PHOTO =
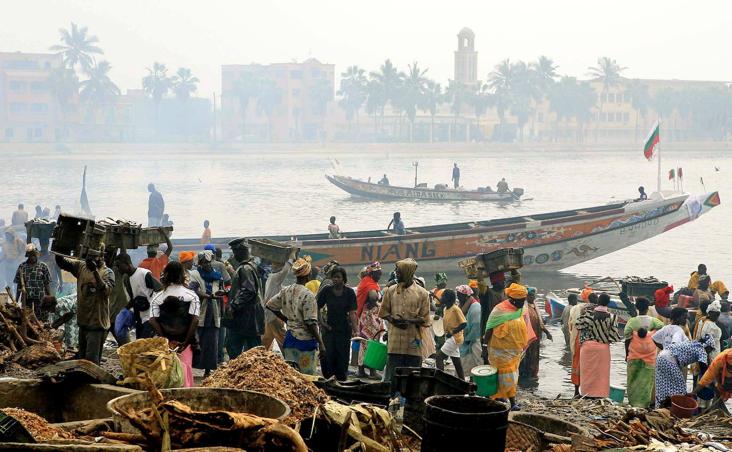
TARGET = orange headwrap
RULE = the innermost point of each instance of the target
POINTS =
(517, 292)
(186, 256)
(302, 266)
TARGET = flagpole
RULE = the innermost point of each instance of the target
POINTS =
(658, 146)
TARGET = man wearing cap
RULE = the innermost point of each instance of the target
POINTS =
(508, 336)
(33, 282)
(156, 259)
(244, 315)
(94, 284)
(296, 306)
(406, 306)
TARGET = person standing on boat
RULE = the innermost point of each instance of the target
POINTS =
(155, 206)
(384, 181)
(455, 176)
(398, 224)
(406, 307)
(642, 196)
(598, 329)
(502, 186)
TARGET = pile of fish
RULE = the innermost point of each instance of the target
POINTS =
(264, 371)
(38, 427)
(639, 428)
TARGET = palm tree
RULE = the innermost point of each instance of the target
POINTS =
(640, 100)
(184, 85)
(458, 94)
(413, 86)
(386, 80)
(501, 81)
(353, 93)
(64, 85)
(268, 99)
(561, 101)
(320, 94)
(545, 72)
(374, 101)
(99, 89)
(608, 72)
(245, 89)
(480, 99)
(431, 99)
(157, 84)
(78, 48)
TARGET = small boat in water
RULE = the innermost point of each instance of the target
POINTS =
(551, 241)
(440, 193)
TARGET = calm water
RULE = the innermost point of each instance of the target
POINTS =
(276, 192)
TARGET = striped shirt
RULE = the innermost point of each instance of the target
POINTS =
(597, 325)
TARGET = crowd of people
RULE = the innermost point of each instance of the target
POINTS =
(212, 309)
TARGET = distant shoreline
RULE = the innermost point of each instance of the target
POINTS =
(75, 149)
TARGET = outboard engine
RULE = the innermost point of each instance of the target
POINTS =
(518, 192)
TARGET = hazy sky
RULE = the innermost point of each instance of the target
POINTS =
(654, 39)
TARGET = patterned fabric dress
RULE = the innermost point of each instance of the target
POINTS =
(369, 325)
(670, 379)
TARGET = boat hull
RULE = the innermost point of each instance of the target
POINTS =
(551, 241)
(376, 191)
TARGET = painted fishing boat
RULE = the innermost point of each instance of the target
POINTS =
(551, 241)
(555, 306)
(378, 191)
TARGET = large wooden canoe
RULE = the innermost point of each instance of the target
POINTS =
(377, 191)
(552, 241)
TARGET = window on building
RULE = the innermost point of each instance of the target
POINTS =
(626, 117)
(38, 132)
(38, 86)
(316, 73)
(29, 134)
(39, 108)
(296, 92)
(296, 74)
(611, 97)
(17, 107)
(603, 117)
(540, 116)
(16, 85)
(619, 98)
(9, 133)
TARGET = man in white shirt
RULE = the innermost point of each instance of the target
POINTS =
(140, 287)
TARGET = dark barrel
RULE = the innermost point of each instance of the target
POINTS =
(467, 422)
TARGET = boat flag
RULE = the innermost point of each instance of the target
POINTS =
(671, 174)
(651, 142)
(680, 173)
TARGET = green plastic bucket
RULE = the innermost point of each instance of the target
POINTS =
(486, 379)
(375, 357)
(617, 394)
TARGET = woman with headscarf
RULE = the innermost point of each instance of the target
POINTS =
(471, 350)
(370, 326)
(208, 285)
(597, 330)
(454, 323)
(670, 365)
(296, 306)
(640, 351)
(529, 367)
(508, 336)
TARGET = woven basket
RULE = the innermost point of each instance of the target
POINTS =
(146, 356)
(524, 437)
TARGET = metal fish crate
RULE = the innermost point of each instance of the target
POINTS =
(502, 260)
(271, 250)
(77, 236)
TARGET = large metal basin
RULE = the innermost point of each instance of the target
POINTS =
(204, 399)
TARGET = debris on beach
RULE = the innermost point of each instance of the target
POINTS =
(37, 426)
